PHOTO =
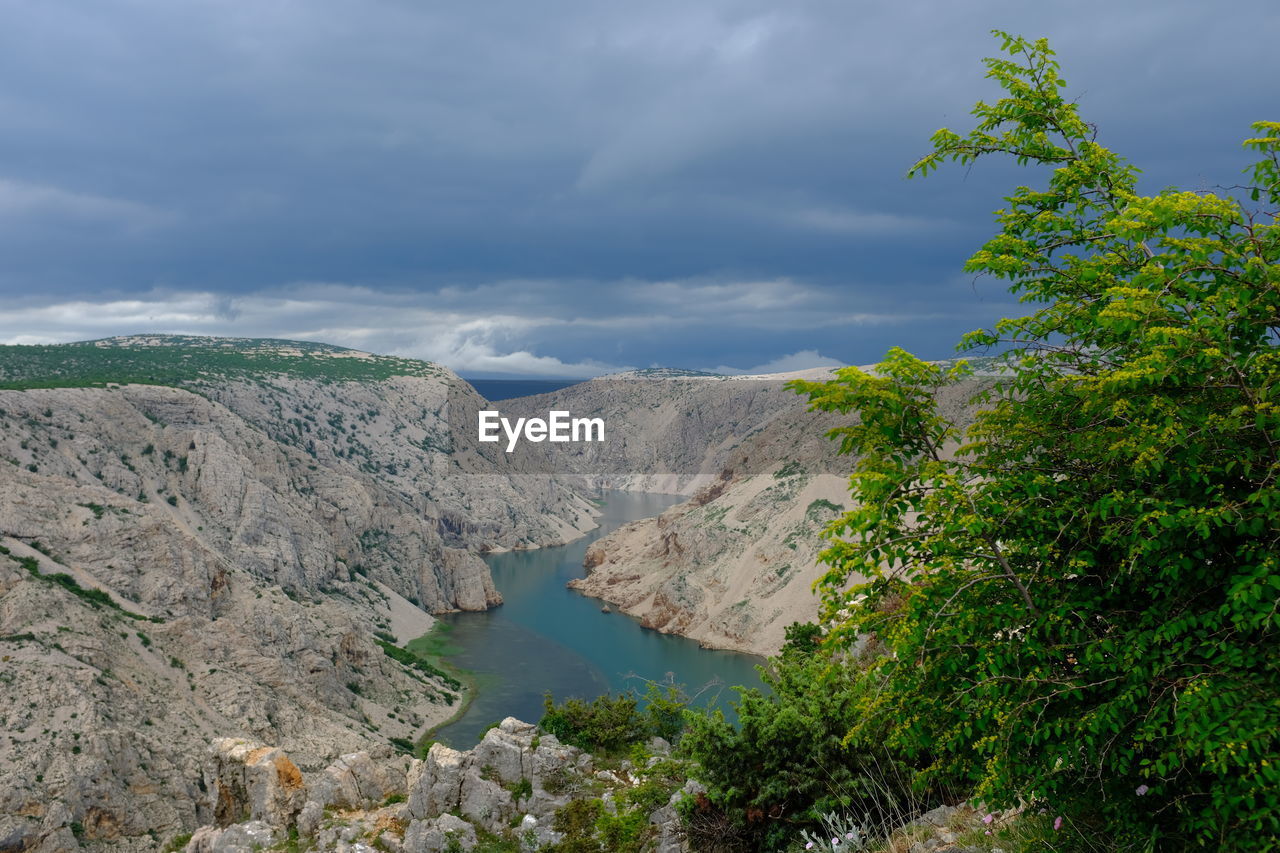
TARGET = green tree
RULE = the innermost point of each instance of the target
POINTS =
(1080, 591)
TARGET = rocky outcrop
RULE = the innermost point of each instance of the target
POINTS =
(477, 784)
(437, 834)
(357, 778)
(731, 572)
(253, 782)
(511, 785)
(240, 838)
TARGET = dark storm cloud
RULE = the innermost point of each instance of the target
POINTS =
(556, 187)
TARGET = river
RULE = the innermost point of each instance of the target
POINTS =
(546, 637)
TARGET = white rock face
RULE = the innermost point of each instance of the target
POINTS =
(505, 751)
(245, 545)
(675, 434)
(357, 778)
(240, 838)
(735, 565)
(309, 819)
(256, 782)
(433, 835)
(732, 572)
(435, 785)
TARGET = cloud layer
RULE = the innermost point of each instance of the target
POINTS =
(559, 186)
(461, 328)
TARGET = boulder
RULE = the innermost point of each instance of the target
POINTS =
(355, 780)
(487, 803)
(435, 785)
(254, 782)
(434, 835)
(477, 783)
(239, 838)
(309, 819)
(505, 748)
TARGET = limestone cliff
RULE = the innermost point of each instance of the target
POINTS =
(736, 564)
(731, 572)
(668, 432)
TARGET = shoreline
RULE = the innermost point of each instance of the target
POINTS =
(616, 607)
(433, 647)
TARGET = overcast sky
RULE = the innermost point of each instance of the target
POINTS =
(559, 188)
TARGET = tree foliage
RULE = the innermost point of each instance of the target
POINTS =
(1080, 591)
(786, 762)
(607, 723)
(611, 723)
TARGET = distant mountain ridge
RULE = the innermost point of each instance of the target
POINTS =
(167, 340)
(189, 361)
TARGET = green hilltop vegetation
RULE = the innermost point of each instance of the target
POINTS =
(185, 360)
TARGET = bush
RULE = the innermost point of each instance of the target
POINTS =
(576, 821)
(177, 843)
(787, 761)
(605, 724)
(666, 711)
(94, 597)
(611, 723)
(522, 790)
(625, 828)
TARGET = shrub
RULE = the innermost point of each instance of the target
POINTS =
(522, 790)
(606, 724)
(612, 723)
(409, 659)
(787, 761)
(576, 821)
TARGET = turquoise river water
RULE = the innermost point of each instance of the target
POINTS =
(546, 637)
